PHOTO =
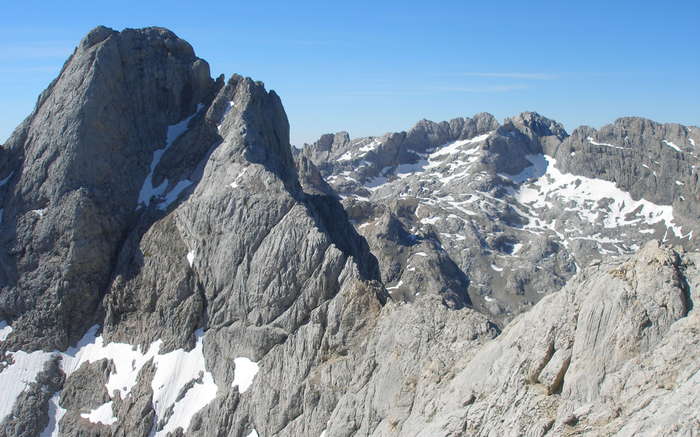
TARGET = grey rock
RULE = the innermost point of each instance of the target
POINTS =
(155, 294)
(615, 377)
(77, 395)
(396, 285)
(505, 208)
(75, 168)
(660, 162)
(135, 413)
(443, 218)
(552, 376)
(368, 158)
(29, 415)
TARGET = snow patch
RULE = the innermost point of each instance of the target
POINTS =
(148, 191)
(588, 197)
(15, 378)
(244, 374)
(455, 147)
(369, 147)
(673, 146)
(190, 257)
(590, 140)
(174, 194)
(235, 183)
(5, 330)
(405, 170)
(516, 248)
(55, 415)
(395, 286)
(174, 371)
(362, 151)
(39, 212)
(430, 220)
(536, 170)
(452, 157)
(102, 414)
(496, 268)
(253, 433)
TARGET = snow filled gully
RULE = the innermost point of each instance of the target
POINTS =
(176, 372)
(148, 190)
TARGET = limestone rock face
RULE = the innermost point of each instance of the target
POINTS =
(217, 234)
(661, 162)
(609, 354)
(72, 172)
(171, 266)
(510, 212)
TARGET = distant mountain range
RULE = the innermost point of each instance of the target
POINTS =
(507, 213)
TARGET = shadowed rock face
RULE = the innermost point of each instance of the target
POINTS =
(212, 281)
(197, 220)
(74, 169)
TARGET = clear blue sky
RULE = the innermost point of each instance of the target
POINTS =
(373, 67)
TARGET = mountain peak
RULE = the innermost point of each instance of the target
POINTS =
(95, 36)
(539, 124)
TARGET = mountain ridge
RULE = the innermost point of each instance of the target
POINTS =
(502, 164)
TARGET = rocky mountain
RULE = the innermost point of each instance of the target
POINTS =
(514, 209)
(172, 266)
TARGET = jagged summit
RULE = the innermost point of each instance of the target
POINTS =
(95, 127)
(141, 123)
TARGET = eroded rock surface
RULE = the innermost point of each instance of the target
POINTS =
(508, 213)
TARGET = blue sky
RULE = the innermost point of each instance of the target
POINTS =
(374, 67)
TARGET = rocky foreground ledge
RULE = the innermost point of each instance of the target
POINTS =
(613, 353)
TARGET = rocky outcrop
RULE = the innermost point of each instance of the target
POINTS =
(369, 158)
(609, 354)
(31, 412)
(224, 239)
